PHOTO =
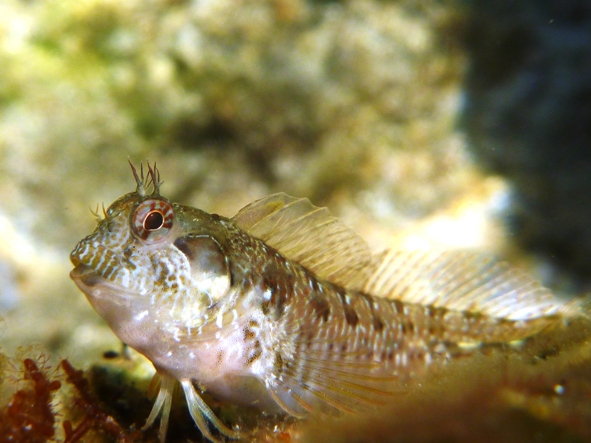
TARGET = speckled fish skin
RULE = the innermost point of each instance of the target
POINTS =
(282, 305)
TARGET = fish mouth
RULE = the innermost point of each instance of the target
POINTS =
(96, 287)
(94, 264)
(86, 275)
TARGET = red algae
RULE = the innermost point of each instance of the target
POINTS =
(39, 404)
(29, 415)
(95, 417)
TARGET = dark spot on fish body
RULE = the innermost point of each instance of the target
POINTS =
(378, 324)
(351, 316)
(398, 306)
(248, 334)
(277, 284)
(278, 295)
(435, 330)
(249, 330)
(320, 306)
(163, 275)
(408, 327)
(256, 352)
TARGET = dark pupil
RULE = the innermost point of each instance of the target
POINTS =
(153, 221)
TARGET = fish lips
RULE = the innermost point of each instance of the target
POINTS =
(85, 276)
(96, 287)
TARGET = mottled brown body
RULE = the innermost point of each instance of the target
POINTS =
(284, 307)
(371, 344)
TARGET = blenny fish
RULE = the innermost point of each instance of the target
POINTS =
(285, 307)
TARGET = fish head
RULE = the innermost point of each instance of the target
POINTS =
(150, 258)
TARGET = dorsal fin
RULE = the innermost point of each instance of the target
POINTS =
(459, 280)
(306, 234)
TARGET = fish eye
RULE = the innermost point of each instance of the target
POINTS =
(152, 219)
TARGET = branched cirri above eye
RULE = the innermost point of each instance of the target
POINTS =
(152, 219)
